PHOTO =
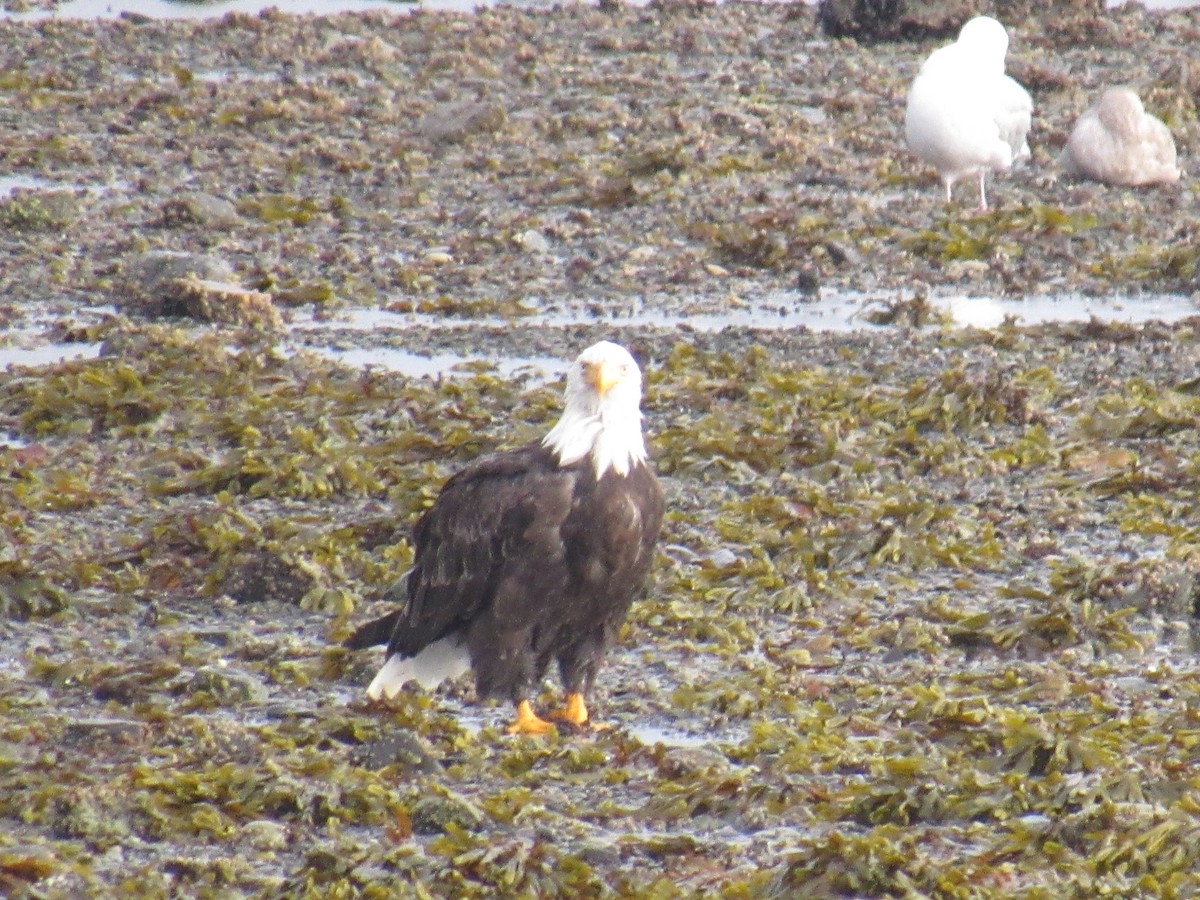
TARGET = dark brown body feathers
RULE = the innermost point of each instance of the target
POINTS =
(531, 563)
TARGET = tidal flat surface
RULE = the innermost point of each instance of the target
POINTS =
(922, 620)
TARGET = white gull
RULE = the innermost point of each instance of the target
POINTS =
(964, 115)
(1118, 142)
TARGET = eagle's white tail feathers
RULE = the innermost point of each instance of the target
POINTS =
(440, 661)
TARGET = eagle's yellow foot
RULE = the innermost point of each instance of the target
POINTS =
(528, 721)
(575, 711)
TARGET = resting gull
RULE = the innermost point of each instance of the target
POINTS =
(1118, 142)
(964, 115)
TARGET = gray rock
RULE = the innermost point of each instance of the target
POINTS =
(398, 748)
(263, 834)
(106, 729)
(197, 208)
(459, 121)
(433, 813)
(532, 241)
(151, 270)
(226, 685)
(148, 282)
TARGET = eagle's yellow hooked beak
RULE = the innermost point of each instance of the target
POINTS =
(601, 376)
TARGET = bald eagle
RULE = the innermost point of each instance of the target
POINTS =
(533, 555)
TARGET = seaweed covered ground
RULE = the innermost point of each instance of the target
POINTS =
(922, 621)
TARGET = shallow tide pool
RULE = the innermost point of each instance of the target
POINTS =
(395, 346)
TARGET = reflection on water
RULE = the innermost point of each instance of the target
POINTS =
(833, 311)
(836, 312)
(434, 365)
(46, 354)
(842, 312)
(668, 737)
(985, 312)
(10, 184)
(397, 342)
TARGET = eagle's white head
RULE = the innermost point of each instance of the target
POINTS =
(603, 418)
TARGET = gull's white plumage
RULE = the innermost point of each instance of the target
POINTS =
(964, 116)
(1116, 141)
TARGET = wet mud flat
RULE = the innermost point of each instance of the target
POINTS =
(520, 164)
(922, 618)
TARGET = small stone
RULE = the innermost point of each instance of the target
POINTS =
(678, 762)
(197, 208)
(598, 854)
(532, 241)
(721, 558)
(456, 123)
(263, 834)
(226, 685)
(194, 285)
(432, 814)
(219, 301)
(150, 270)
(398, 748)
(263, 575)
(105, 729)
